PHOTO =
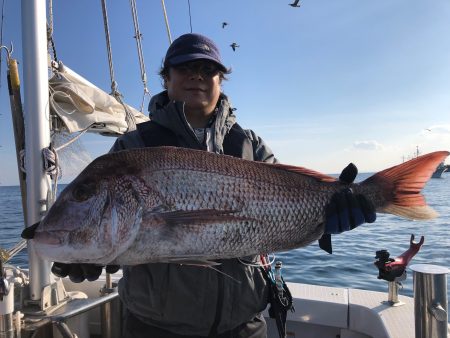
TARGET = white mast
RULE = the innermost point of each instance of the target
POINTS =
(37, 128)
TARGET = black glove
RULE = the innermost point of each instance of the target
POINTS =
(347, 210)
(79, 272)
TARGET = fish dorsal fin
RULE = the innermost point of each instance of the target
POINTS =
(305, 171)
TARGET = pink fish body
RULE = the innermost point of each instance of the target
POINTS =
(170, 204)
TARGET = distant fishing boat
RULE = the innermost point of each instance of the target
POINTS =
(439, 170)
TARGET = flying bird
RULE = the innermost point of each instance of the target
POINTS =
(296, 3)
(224, 24)
(234, 45)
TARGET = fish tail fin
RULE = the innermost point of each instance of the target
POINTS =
(401, 186)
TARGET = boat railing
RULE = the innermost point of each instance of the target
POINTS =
(76, 306)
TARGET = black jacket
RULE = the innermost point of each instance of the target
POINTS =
(186, 299)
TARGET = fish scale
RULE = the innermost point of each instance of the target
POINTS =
(169, 204)
(224, 192)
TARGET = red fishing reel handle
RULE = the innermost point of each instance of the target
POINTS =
(403, 260)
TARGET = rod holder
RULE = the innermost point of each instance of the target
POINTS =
(430, 300)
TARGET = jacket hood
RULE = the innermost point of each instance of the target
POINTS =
(170, 114)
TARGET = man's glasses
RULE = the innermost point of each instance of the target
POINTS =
(208, 69)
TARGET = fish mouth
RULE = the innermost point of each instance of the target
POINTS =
(50, 237)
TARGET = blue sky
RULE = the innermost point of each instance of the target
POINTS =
(326, 84)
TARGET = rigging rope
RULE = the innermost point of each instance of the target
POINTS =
(1, 39)
(138, 37)
(52, 165)
(50, 42)
(50, 18)
(129, 117)
(190, 17)
(167, 21)
(108, 47)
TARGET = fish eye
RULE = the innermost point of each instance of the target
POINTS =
(84, 192)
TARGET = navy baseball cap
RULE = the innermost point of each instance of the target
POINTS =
(190, 47)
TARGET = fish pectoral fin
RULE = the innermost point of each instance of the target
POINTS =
(199, 217)
(28, 232)
(325, 243)
(192, 261)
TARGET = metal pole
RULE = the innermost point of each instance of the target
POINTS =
(393, 292)
(18, 124)
(110, 312)
(6, 312)
(6, 326)
(430, 300)
(37, 128)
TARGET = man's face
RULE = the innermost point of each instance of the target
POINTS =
(197, 83)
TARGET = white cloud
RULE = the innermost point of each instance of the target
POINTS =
(367, 145)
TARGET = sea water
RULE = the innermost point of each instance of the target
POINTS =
(350, 265)
(352, 262)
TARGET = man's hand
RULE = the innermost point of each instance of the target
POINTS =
(347, 210)
(79, 272)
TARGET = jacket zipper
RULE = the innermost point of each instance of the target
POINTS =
(219, 306)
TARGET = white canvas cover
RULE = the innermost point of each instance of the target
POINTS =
(80, 105)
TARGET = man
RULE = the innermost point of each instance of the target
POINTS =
(171, 300)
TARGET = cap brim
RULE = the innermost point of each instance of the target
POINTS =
(178, 60)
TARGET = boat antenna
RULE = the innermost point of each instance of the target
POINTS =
(167, 21)
(138, 37)
(129, 117)
(190, 17)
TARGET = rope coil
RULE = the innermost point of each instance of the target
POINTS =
(51, 163)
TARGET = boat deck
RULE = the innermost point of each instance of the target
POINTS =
(322, 311)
